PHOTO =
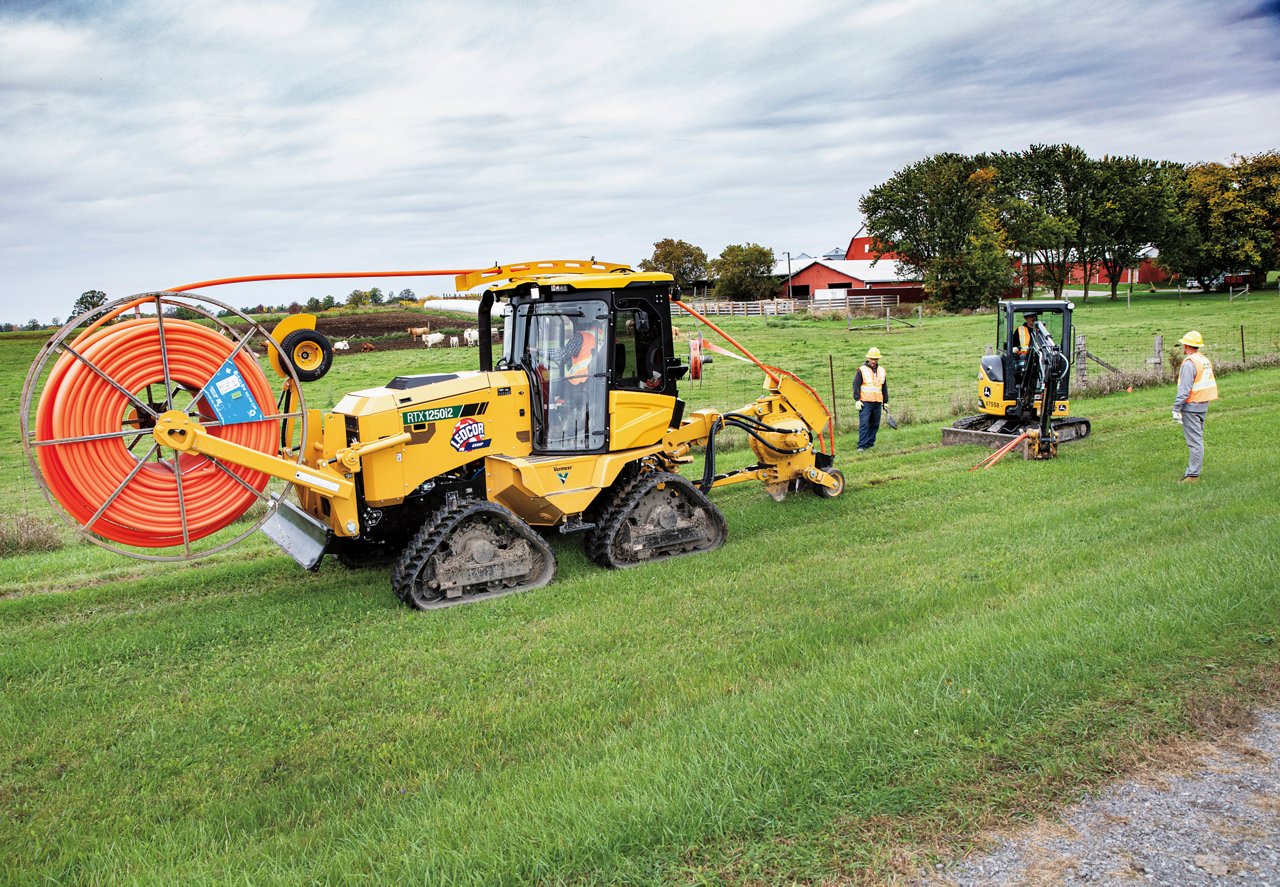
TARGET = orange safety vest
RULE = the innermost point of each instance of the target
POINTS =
(872, 388)
(581, 365)
(1024, 340)
(1205, 387)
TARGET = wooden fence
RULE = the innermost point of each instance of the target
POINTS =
(860, 301)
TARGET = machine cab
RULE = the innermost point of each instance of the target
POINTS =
(599, 356)
(1008, 364)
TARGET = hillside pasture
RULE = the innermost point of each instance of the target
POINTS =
(844, 689)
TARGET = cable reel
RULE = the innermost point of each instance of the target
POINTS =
(102, 382)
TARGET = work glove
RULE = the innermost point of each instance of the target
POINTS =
(1177, 416)
(859, 406)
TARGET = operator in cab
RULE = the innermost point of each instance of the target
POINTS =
(580, 358)
(1022, 340)
(871, 391)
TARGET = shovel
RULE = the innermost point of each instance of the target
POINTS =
(888, 418)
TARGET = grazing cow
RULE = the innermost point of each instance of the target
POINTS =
(433, 340)
(344, 345)
(471, 337)
(367, 346)
(418, 332)
(675, 332)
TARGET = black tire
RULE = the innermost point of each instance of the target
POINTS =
(309, 352)
(830, 492)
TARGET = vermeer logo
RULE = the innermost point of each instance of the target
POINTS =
(435, 414)
(563, 475)
(468, 435)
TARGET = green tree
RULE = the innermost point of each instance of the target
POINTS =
(328, 302)
(406, 295)
(89, 300)
(358, 298)
(938, 216)
(1226, 219)
(744, 273)
(1047, 197)
(1134, 207)
(32, 325)
(375, 296)
(683, 261)
(313, 305)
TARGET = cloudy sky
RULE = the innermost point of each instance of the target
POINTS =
(149, 143)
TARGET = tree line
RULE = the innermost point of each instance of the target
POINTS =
(743, 271)
(966, 223)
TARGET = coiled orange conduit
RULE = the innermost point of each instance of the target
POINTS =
(77, 402)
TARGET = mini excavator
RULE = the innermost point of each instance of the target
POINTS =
(1013, 381)
(452, 479)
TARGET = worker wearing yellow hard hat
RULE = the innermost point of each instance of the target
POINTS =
(871, 392)
(1196, 387)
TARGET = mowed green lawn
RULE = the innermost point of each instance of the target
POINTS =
(843, 678)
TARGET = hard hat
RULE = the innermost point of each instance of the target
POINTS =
(1030, 315)
(873, 353)
(1192, 338)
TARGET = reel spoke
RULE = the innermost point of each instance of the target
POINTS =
(164, 364)
(88, 525)
(182, 504)
(110, 381)
(85, 438)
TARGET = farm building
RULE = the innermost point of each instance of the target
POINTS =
(854, 268)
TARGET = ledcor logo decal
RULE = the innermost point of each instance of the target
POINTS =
(468, 435)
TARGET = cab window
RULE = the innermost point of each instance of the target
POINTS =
(564, 347)
(639, 358)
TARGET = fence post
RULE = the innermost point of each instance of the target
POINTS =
(990, 351)
(1158, 363)
(1243, 359)
(1082, 370)
(835, 410)
(886, 320)
(920, 314)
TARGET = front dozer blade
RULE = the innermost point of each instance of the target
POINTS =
(994, 432)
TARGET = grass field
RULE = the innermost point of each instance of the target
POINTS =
(843, 682)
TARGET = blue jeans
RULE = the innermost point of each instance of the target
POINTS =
(868, 425)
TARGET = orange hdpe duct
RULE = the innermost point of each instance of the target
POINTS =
(77, 402)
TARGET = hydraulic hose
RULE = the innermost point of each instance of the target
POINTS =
(78, 402)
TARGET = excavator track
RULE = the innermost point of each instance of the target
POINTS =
(995, 431)
(471, 551)
(656, 516)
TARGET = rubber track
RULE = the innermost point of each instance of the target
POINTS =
(976, 423)
(598, 541)
(436, 531)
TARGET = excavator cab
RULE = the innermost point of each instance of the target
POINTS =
(1024, 387)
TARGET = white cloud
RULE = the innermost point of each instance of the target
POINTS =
(147, 143)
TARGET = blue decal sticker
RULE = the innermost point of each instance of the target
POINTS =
(229, 397)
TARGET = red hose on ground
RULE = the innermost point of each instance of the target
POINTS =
(77, 402)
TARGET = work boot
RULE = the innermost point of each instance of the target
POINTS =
(1190, 479)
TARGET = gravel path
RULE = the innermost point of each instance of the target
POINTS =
(1215, 822)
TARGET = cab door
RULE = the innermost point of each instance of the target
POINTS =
(565, 349)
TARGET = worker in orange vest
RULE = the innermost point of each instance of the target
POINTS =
(871, 391)
(1196, 387)
(1022, 341)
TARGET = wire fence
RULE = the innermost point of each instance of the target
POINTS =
(939, 390)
